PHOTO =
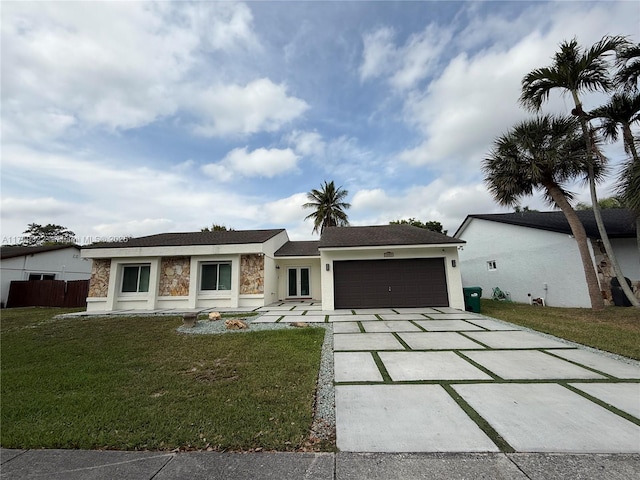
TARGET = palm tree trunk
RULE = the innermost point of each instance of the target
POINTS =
(627, 135)
(596, 208)
(595, 295)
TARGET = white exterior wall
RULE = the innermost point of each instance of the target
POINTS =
(526, 260)
(65, 264)
(315, 281)
(116, 300)
(448, 252)
(626, 251)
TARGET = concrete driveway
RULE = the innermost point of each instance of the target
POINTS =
(443, 380)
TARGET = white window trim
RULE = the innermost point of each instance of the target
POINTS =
(121, 279)
(41, 275)
(298, 268)
(214, 293)
(492, 265)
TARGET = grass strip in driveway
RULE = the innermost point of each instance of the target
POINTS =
(485, 426)
(614, 329)
(135, 383)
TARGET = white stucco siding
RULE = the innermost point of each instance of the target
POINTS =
(526, 259)
(270, 280)
(449, 253)
(65, 264)
(315, 281)
(626, 251)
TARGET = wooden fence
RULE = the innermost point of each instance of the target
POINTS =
(48, 293)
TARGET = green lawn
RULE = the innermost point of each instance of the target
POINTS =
(616, 329)
(135, 383)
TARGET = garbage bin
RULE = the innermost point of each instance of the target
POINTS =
(617, 294)
(472, 298)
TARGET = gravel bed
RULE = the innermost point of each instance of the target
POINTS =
(324, 419)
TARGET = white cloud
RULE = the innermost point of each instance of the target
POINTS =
(474, 98)
(307, 143)
(420, 55)
(405, 65)
(219, 172)
(261, 105)
(261, 162)
(378, 54)
(286, 210)
(223, 26)
(125, 65)
(108, 197)
(441, 200)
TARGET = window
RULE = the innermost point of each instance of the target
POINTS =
(135, 278)
(491, 265)
(215, 276)
(42, 276)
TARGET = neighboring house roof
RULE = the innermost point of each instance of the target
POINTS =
(382, 235)
(299, 249)
(12, 251)
(619, 222)
(230, 237)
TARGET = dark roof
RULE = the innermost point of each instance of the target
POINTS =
(299, 249)
(11, 251)
(381, 235)
(619, 222)
(230, 237)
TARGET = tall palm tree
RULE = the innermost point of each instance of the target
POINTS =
(628, 62)
(543, 154)
(329, 207)
(575, 70)
(621, 112)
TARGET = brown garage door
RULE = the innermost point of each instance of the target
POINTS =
(416, 282)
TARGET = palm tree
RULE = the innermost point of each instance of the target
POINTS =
(623, 110)
(628, 62)
(329, 207)
(543, 154)
(575, 70)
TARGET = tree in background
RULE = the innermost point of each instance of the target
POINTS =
(521, 209)
(432, 225)
(606, 203)
(628, 63)
(544, 154)
(50, 234)
(575, 70)
(216, 228)
(329, 207)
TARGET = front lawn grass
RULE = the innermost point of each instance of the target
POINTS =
(615, 329)
(135, 383)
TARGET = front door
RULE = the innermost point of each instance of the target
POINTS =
(298, 282)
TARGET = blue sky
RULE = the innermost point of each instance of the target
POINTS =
(123, 118)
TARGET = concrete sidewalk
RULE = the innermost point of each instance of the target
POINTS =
(108, 465)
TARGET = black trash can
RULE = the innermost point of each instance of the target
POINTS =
(617, 294)
(472, 299)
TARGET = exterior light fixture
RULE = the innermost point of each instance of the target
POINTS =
(453, 263)
(327, 267)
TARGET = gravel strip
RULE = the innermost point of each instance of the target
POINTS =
(324, 418)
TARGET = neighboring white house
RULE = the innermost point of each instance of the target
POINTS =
(51, 262)
(349, 267)
(534, 255)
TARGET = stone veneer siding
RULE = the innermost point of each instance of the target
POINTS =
(174, 277)
(99, 283)
(251, 274)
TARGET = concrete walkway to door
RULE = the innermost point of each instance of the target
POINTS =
(444, 380)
